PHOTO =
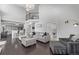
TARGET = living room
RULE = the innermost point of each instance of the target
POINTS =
(39, 29)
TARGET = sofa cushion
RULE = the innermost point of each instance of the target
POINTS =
(64, 40)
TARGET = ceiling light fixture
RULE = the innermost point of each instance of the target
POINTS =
(29, 7)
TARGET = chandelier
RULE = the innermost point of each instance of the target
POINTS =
(29, 7)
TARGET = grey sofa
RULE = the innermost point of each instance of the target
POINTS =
(64, 40)
(57, 48)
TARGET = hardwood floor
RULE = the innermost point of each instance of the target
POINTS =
(14, 47)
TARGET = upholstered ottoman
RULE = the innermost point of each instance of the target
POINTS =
(28, 41)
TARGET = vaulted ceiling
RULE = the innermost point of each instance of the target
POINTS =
(14, 12)
(53, 12)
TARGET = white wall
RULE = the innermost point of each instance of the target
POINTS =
(64, 30)
(0, 28)
(12, 12)
(58, 14)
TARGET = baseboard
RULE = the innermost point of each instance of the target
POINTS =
(28, 46)
(42, 42)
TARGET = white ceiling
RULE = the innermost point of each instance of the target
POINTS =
(47, 11)
(50, 12)
(15, 12)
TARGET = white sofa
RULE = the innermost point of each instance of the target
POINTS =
(21, 36)
(28, 41)
(44, 39)
(2, 45)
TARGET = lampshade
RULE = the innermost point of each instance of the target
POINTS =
(75, 25)
(29, 7)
